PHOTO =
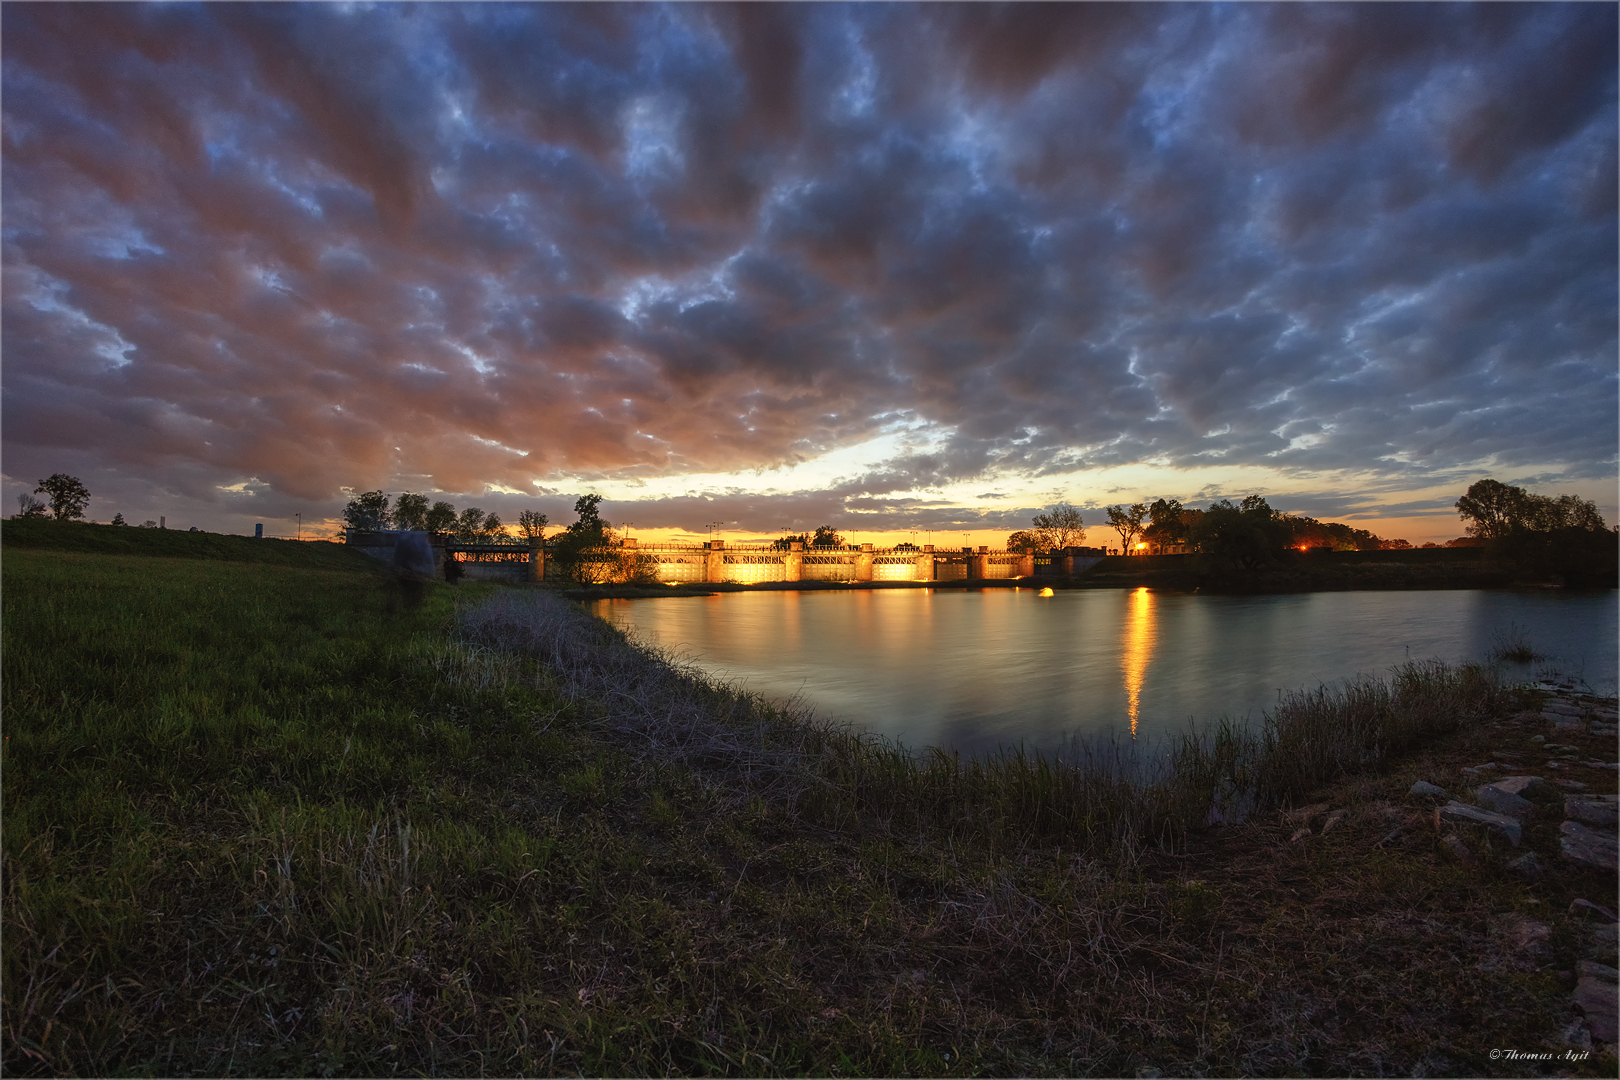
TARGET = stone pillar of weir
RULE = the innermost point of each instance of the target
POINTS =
(1066, 559)
(793, 561)
(863, 563)
(925, 564)
(978, 563)
(1026, 564)
(714, 561)
(537, 560)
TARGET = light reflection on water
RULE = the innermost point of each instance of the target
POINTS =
(974, 669)
(1140, 633)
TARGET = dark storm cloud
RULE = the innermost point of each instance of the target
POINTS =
(454, 246)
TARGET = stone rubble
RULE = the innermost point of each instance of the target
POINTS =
(1527, 866)
(1590, 849)
(1603, 941)
(1505, 806)
(1579, 907)
(1498, 800)
(1598, 810)
(1576, 1036)
(1524, 786)
(1587, 840)
(1459, 850)
(1593, 969)
(1501, 824)
(1598, 999)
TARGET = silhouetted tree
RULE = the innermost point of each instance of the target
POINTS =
(533, 524)
(584, 550)
(1127, 521)
(826, 536)
(1023, 540)
(1247, 536)
(589, 521)
(1491, 509)
(1167, 523)
(1561, 538)
(440, 519)
(1306, 532)
(589, 553)
(410, 511)
(469, 525)
(1059, 527)
(68, 497)
(367, 512)
(30, 507)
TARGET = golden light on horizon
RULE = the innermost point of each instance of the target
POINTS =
(1140, 636)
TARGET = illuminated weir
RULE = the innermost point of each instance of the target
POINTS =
(718, 561)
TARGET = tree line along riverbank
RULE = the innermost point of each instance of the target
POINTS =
(1411, 569)
(1290, 571)
(301, 818)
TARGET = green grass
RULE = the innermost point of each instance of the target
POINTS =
(298, 820)
(44, 534)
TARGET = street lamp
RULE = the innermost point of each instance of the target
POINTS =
(300, 518)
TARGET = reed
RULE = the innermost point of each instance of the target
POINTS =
(1512, 645)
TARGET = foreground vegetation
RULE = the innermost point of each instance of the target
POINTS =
(299, 820)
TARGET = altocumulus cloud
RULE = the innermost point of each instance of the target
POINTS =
(291, 248)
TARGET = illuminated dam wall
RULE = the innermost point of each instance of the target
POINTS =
(717, 561)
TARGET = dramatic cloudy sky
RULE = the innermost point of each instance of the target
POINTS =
(892, 267)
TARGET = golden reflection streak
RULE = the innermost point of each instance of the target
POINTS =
(1140, 636)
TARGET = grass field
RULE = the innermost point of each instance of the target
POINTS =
(44, 534)
(304, 819)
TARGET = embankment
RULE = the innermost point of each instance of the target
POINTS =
(43, 534)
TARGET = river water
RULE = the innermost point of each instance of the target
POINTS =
(977, 669)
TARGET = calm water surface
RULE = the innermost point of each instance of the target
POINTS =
(976, 669)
